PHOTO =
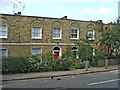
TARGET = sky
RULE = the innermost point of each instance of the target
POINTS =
(86, 10)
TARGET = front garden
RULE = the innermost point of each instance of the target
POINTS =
(46, 63)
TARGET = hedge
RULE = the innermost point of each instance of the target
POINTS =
(17, 64)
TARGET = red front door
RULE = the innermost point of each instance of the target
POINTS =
(56, 55)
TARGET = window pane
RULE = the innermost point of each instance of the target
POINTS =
(56, 32)
(36, 51)
(3, 31)
(4, 27)
(36, 32)
(74, 31)
(90, 34)
(3, 52)
(74, 35)
(54, 35)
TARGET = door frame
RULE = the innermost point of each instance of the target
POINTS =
(60, 51)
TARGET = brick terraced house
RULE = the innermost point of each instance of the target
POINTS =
(28, 35)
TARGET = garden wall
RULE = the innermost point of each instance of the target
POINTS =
(110, 62)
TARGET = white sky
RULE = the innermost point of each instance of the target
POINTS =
(106, 10)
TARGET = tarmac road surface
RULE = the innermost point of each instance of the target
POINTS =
(92, 80)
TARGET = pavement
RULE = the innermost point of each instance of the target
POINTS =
(35, 75)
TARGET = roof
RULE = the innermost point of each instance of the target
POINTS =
(45, 17)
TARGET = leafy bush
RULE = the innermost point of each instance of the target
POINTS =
(61, 64)
(78, 65)
(46, 68)
(15, 64)
(99, 55)
(94, 63)
(35, 63)
(85, 52)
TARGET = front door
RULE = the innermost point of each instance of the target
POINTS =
(56, 55)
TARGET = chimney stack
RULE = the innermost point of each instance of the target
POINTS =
(100, 21)
(65, 17)
(19, 13)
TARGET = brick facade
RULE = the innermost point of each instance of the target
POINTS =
(19, 40)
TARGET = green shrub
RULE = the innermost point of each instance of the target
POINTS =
(94, 63)
(35, 63)
(99, 55)
(61, 64)
(78, 65)
(46, 68)
(15, 64)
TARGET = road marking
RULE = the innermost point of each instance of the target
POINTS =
(115, 71)
(103, 82)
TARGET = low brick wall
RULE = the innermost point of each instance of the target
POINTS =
(114, 61)
(101, 63)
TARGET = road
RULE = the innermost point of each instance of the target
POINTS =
(92, 80)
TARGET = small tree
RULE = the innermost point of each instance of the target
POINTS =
(85, 51)
(68, 53)
(111, 38)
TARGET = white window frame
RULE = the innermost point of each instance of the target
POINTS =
(93, 33)
(40, 33)
(2, 30)
(37, 48)
(60, 34)
(6, 52)
(93, 51)
(77, 34)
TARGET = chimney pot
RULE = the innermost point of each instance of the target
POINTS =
(65, 17)
(19, 13)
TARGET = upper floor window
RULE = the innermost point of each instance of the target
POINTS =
(3, 31)
(36, 51)
(74, 33)
(57, 33)
(3, 52)
(36, 33)
(91, 35)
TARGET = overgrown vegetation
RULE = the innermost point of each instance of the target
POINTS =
(17, 64)
(34, 63)
(80, 65)
(111, 38)
(99, 55)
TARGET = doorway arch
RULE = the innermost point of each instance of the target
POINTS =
(57, 51)
(75, 50)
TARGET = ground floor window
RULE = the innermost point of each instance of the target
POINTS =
(3, 52)
(93, 51)
(36, 51)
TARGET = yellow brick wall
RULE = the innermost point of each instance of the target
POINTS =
(20, 27)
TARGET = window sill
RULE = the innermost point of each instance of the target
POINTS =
(74, 38)
(3, 37)
(57, 38)
(92, 40)
(37, 38)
